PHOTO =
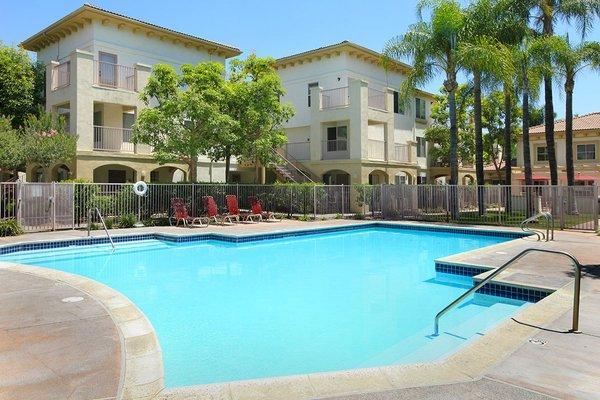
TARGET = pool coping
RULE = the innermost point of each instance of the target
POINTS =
(143, 374)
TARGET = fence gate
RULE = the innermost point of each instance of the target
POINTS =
(45, 206)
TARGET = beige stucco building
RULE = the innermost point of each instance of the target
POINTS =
(349, 125)
(586, 142)
(97, 62)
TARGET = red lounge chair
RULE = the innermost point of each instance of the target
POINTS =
(257, 210)
(234, 210)
(181, 214)
(212, 211)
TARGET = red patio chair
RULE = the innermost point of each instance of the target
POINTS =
(267, 216)
(212, 211)
(181, 214)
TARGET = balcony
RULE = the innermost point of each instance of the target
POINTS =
(335, 98)
(335, 149)
(377, 99)
(401, 153)
(114, 76)
(108, 138)
(61, 75)
(376, 149)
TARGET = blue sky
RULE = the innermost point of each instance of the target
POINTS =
(275, 28)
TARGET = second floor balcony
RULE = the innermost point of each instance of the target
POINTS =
(114, 76)
(107, 138)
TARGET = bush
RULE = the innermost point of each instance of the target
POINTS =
(339, 216)
(10, 227)
(109, 222)
(359, 215)
(94, 226)
(127, 221)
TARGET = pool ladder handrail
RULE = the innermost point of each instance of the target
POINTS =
(576, 295)
(89, 226)
(549, 226)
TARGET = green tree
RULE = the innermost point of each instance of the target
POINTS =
(567, 60)
(17, 81)
(253, 94)
(12, 151)
(188, 116)
(46, 141)
(546, 13)
(438, 134)
(433, 46)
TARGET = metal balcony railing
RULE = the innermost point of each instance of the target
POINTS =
(376, 149)
(401, 153)
(335, 98)
(114, 76)
(61, 75)
(108, 138)
(377, 99)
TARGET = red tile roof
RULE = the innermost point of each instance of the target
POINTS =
(580, 123)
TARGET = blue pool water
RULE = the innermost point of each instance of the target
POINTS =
(331, 301)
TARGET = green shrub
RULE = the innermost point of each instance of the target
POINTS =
(109, 222)
(10, 227)
(304, 218)
(127, 221)
(339, 216)
(94, 226)
(149, 222)
(359, 215)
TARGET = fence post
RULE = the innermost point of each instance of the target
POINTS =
(194, 213)
(53, 206)
(315, 201)
(343, 201)
(18, 204)
(73, 208)
(595, 207)
(447, 202)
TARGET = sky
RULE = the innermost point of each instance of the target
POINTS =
(274, 28)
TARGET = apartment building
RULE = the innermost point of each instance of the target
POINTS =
(586, 142)
(349, 125)
(97, 63)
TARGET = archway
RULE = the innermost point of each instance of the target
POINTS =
(403, 178)
(37, 174)
(468, 180)
(167, 174)
(114, 173)
(61, 173)
(336, 177)
(378, 177)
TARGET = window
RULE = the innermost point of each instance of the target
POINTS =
(420, 112)
(154, 176)
(421, 180)
(542, 154)
(421, 147)
(398, 106)
(310, 86)
(586, 151)
(337, 137)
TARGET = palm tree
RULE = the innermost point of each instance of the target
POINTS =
(433, 46)
(483, 54)
(546, 13)
(568, 60)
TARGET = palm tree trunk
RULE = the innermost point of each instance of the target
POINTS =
(548, 30)
(453, 195)
(569, 84)
(478, 141)
(507, 149)
(527, 150)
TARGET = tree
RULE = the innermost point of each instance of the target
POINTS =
(188, 116)
(45, 140)
(567, 60)
(16, 84)
(253, 94)
(12, 151)
(546, 13)
(433, 46)
(438, 134)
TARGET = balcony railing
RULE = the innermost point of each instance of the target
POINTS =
(107, 138)
(61, 75)
(401, 153)
(375, 149)
(114, 76)
(377, 99)
(335, 98)
(335, 149)
(297, 150)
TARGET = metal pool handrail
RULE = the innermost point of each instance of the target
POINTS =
(549, 226)
(576, 295)
(89, 227)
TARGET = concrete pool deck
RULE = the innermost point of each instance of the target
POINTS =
(503, 359)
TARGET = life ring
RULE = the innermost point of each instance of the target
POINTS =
(140, 188)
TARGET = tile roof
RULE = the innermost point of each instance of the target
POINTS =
(580, 123)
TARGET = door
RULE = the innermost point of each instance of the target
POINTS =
(98, 137)
(107, 69)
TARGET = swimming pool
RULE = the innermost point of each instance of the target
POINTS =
(321, 302)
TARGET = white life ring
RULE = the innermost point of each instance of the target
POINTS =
(140, 188)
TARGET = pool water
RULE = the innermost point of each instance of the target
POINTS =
(330, 301)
